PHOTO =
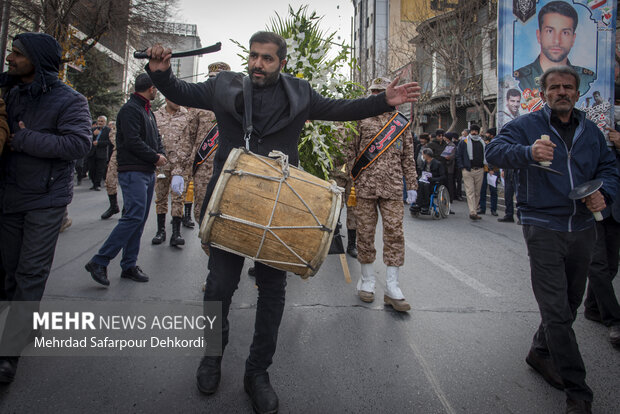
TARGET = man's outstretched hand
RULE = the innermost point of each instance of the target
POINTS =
(398, 95)
(159, 57)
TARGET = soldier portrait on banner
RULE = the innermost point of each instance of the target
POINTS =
(536, 35)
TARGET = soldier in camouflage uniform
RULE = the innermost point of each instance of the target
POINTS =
(205, 120)
(177, 134)
(341, 175)
(557, 26)
(111, 176)
(381, 185)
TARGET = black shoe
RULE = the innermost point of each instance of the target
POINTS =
(352, 243)
(506, 219)
(592, 315)
(544, 366)
(475, 217)
(208, 374)
(451, 212)
(98, 273)
(481, 213)
(176, 239)
(187, 217)
(97, 188)
(135, 273)
(425, 212)
(578, 406)
(8, 368)
(252, 271)
(614, 335)
(494, 213)
(160, 236)
(113, 209)
(264, 398)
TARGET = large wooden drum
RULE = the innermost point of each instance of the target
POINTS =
(268, 211)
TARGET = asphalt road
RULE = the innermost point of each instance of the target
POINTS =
(461, 349)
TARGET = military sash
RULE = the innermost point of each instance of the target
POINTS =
(207, 147)
(380, 143)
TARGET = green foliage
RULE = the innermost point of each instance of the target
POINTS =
(310, 56)
(96, 82)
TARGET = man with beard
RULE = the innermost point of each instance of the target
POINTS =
(557, 25)
(280, 105)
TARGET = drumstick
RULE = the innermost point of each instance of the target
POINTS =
(345, 268)
(545, 163)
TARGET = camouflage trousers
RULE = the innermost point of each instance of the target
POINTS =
(111, 176)
(201, 180)
(162, 189)
(393, 236)
(347, 184)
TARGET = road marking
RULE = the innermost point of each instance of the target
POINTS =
(453, 271)
(429, 374)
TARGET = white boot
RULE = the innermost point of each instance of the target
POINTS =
(366, 283)
(393, 295)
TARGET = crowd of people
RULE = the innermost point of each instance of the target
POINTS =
(179, 152)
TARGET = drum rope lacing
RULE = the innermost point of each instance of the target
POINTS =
(282, 160)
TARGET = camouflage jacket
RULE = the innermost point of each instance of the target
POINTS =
(178, 134)
(384, 177)
(203, 122)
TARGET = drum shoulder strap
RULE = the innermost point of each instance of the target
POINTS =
(247, 113)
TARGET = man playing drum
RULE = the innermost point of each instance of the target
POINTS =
(280, 105)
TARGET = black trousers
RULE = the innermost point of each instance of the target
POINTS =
(27, 244)
(96, 170)
(450, 186)
(559, 263)
(458, 183)
(603, 268)
(424, 194)
(222, 281)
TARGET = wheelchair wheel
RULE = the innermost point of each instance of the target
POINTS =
(442, 201)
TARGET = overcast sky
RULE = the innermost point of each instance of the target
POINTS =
(219, 21)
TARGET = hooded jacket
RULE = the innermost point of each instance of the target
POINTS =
(38, 172)
(542, 198)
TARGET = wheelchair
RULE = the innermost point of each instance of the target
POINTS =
(439, 206)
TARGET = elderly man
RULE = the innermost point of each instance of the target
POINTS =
(559, 232)
(50, 128)
(280, 105)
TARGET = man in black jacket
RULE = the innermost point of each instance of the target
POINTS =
(281, 104)
(99, 152)
(50, 128)
(138, 152)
